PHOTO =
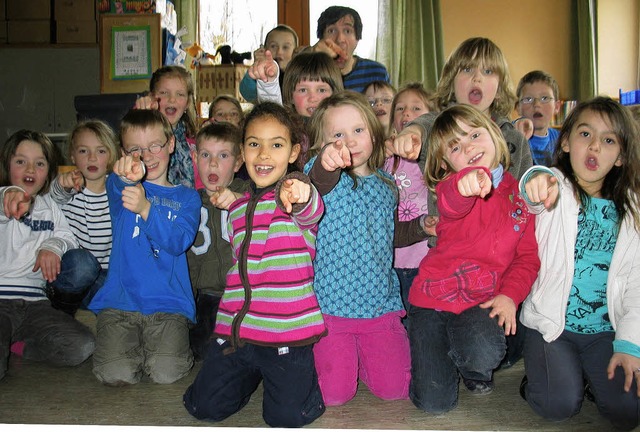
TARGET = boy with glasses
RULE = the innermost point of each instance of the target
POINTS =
(146, 303)
(537, 105)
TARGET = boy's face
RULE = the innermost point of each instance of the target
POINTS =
(281, 44)
(217, 163)
(267, 151)
(144, 141)
(380, 100)
(28, 167)
(541, 114)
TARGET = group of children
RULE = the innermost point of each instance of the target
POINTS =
(359, 209)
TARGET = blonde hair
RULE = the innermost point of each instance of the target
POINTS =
(360, 103)
(446, 132)
(189, 117)
(425, 96)
(103, 133)
(475, 52)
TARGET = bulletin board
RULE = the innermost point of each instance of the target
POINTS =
(130, 51)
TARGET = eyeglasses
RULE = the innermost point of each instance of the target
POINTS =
(529, 100)
(153, 149)
(383, 101)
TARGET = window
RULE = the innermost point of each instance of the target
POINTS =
(368, 11)
(242, 24)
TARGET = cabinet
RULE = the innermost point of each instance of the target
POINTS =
(38, 86)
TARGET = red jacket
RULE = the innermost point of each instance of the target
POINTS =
(485, 247)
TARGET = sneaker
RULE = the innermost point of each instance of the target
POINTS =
(523, 385)
(478, 387)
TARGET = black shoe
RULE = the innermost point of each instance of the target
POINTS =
(523, 385)
(478, 387)
(66, 302)
(588, 394)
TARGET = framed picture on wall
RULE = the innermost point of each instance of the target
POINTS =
(130, 51)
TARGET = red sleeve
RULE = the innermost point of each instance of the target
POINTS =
(450, 203)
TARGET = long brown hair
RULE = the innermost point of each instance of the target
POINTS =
(8, 150)
(622, 183)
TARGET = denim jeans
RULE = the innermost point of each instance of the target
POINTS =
(445, 345)
(227, 380)
(81, 276)
(406, 277)
(556, 372)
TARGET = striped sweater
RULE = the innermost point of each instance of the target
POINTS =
(269, 298)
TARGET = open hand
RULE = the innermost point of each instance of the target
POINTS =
(49, 263)
(631, 366)
(505, 309)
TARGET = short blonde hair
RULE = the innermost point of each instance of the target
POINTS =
(103, 132)
(446, 131)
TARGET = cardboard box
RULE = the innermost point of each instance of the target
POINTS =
(74, 10)
(76, 32)
(126, 6)
(28, 10)
(29, 31)
(217, 80)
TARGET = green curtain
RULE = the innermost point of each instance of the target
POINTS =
(409, 30)
(187, 11)
(586, 68)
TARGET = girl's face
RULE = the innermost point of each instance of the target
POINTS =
(173, 98)
(380, 100)
(409, 106)
(347, 124)
(216, 163)
(28, 167)
(281, 44)
(144, 142)
(225, 111)
(475, 148)
(267, 151)
(307, 95)
(476, 86)
(594, 149)
(90, 156)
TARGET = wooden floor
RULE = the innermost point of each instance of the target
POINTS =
(34, 393)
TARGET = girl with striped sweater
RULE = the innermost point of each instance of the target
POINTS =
(269, 317)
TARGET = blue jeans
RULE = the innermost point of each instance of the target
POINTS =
(445, 345)
(556, 372)
(81, 276)
(406, 277)
(227, 380)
